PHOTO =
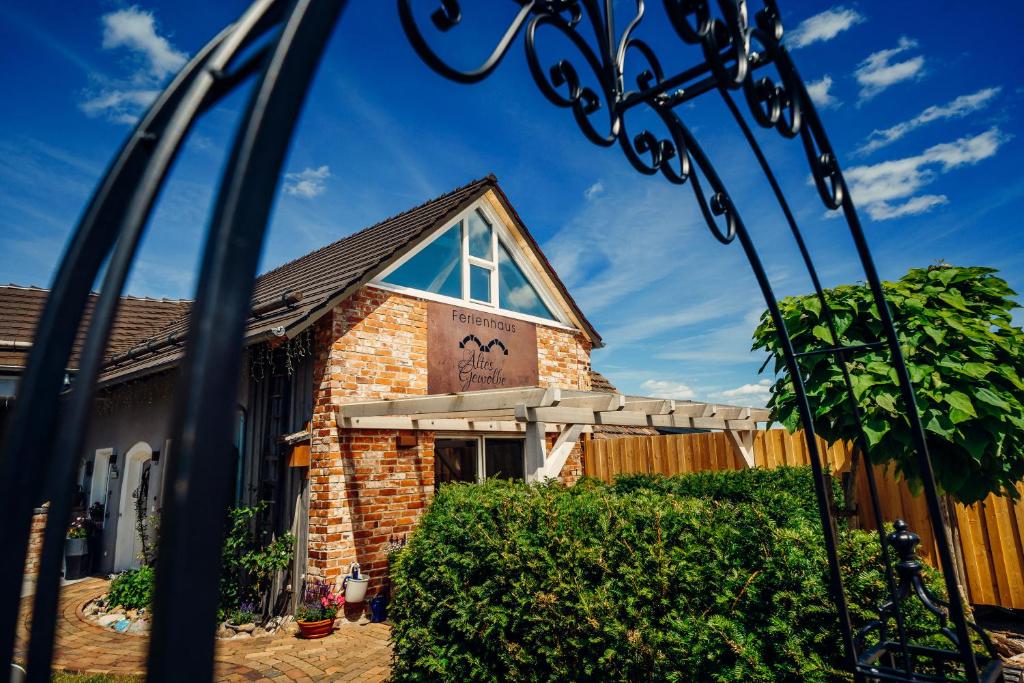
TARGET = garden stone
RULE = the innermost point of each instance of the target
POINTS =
(246, 628)
(140, 626)
(241, 635)
(108, 619)
(259, 631)
(224, 632)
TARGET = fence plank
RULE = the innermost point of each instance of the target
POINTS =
(991, 534)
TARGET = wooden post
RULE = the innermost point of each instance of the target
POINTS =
(534, 451)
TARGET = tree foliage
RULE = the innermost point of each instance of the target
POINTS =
(965, 358)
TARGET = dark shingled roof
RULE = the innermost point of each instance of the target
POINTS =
(137, 318)
(599, 382)
(327, 275)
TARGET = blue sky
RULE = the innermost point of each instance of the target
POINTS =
(921, 100)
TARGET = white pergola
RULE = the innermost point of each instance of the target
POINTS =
(536, 411)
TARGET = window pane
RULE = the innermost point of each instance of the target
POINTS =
(436, 268)
(479, 237)
(504, 459)
(514, 291)
(454, 460)
(479, 283)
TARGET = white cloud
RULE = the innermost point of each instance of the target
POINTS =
(887, 189)
(878, 72)
(747, 393)
(662, 388)
(135, 29)
(820, 92)
(307, 183)
(958, 108)
(823, 27)
(123, 100)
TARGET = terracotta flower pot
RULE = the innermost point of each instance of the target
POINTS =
(311, 630)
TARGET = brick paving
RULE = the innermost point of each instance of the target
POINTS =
(353, 652)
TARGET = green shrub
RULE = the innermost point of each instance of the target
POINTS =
(132, 589)
(634, 581)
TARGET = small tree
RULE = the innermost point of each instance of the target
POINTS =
(965, 358)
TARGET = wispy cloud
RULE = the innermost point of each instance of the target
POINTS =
(153, 59)
(661, 388)
(958, 108)
(821, 93)
(307, 183)
(119, 106)
(823, 27)
(595, 190)
(879, 72)
(889, 189)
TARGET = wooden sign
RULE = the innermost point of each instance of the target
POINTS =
(470, 350)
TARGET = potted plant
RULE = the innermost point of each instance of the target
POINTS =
(75, 547)
(315, 614)
(77, 533)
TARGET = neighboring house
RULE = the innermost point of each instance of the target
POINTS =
(451, 296)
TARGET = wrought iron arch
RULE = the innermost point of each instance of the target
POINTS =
(280, 43)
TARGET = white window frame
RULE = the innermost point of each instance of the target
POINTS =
(481, 444)
(498, 231)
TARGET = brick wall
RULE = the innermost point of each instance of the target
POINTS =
(364, 491)
(35, 541)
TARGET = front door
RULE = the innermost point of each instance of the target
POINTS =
(128, 551)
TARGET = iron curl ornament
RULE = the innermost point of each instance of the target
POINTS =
(736, 46)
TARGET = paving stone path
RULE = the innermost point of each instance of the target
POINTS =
(353, 652)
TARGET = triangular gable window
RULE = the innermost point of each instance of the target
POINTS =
(436, 268)
(472, 261)
(515, 292)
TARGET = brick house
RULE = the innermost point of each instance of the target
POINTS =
(437, 345)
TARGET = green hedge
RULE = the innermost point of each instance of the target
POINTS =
(784, 491)
(509, 582)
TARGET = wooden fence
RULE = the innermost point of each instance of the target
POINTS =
(990, 532)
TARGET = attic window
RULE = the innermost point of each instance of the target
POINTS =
(437, 268)
(472, 261)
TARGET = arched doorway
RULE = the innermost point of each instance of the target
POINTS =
(129, 546)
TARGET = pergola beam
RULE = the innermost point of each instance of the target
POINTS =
(469, 401)
(435, 424)
(511, 410)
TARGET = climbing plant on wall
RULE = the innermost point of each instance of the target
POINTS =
(965, 358)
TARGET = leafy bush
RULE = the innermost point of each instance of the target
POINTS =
(634, 581)
(132, 589)
(250, 560)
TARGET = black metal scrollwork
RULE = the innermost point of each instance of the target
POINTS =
(734, 50)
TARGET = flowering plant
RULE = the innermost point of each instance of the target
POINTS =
(319, 602)
(78, 528)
